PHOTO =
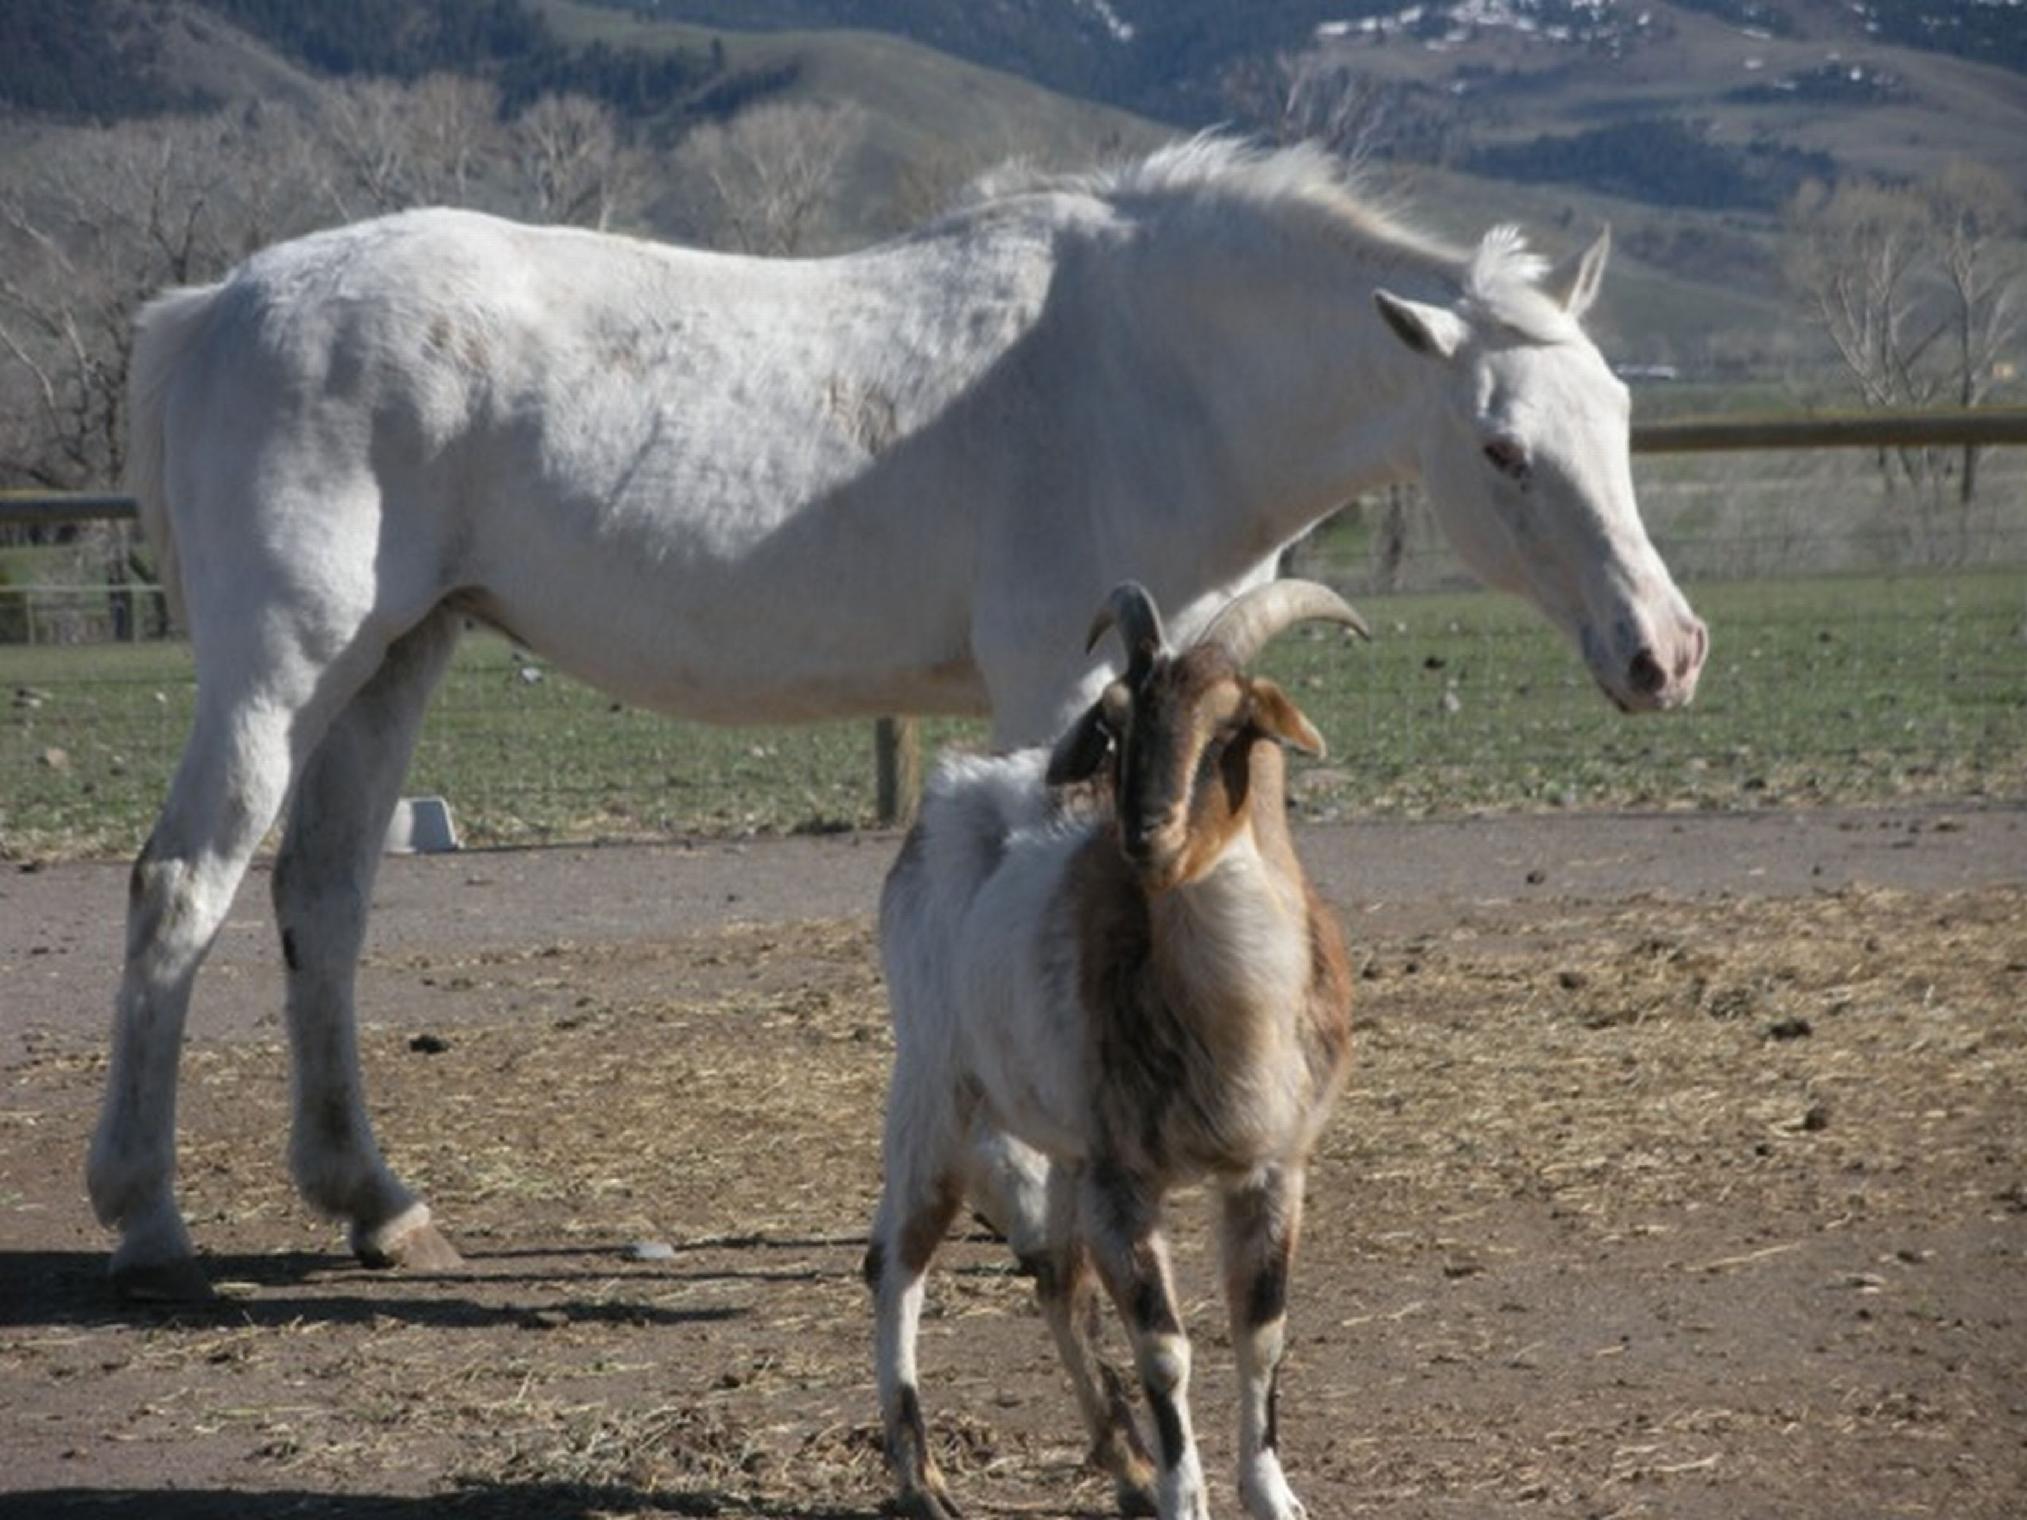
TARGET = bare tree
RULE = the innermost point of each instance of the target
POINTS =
(441, 142)
(371, 142)
(1981, 280)
(1919, 297)
(102, 218)
(1856, 256)
(937, 180)
(1318, 96)
(95, 220)
(453, 123)
(770, 175)
(91, 225)
(574, 164)
(281, 166)
(398, 145)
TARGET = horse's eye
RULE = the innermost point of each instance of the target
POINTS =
(1509, 457)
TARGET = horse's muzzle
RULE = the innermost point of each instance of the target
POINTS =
(1664, 675)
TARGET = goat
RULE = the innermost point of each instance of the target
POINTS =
(1109, 975)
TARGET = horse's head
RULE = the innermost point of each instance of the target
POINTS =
(1523, 453)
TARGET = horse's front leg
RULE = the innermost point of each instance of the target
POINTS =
(323, 886)
(1120, 1217)
(1262, 1215)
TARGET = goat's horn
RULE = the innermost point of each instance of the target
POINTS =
(1250, 620)
(1132, 611)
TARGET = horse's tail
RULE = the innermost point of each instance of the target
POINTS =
(163, 333)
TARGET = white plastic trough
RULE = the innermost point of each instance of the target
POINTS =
(421, 826)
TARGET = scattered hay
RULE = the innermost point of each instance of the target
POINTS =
(665, 1448)
(1595, 1091)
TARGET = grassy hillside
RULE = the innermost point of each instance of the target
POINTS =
(1826, 86)
(1697, 288)
(1756, 106)
(927, 112)
(1680, 280)
(1935, 78)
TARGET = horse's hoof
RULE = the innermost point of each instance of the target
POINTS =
(176, 1281)
(413, 1244)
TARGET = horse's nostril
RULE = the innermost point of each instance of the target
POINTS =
(1646, 675)
(1692, 657)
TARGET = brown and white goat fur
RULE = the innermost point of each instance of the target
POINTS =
(1110, 975)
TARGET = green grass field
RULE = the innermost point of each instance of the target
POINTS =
(1821, 689)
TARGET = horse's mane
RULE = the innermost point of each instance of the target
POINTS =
(1303, 183)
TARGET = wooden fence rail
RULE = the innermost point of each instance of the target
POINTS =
(1973, 427)
(1978, 427)
(57, 509)
(897, 746)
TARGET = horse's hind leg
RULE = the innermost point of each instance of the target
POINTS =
(256, 717)
(323, 887)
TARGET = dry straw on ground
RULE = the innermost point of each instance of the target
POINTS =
(1650, 1208)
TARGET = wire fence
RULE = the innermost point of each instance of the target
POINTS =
(1869, 641)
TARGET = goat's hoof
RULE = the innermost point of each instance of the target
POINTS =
(1264, 1492)
(927, 1504)
(410, 1242)
(1135, 1498)
(178, 1280)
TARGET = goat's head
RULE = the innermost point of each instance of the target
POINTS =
(1179, 728)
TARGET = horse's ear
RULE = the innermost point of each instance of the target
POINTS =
(1080, 752)
(1573, 284)
(1275, 714)
(1426, 329)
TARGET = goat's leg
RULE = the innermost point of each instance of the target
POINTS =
(323, 888)
(1120, 1216)
(921, 1194)
(1262, 1216)
(255, 721)
(905, 1236)
(1066, 1290)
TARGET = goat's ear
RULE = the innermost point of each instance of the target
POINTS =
(1080, 752)
(1275, 714)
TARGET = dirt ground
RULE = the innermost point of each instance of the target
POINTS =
(1683, 1173)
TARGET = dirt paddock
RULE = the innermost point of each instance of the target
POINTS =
(1683, 1173)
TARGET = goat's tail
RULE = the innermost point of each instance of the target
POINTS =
(972, 805)
(163, 334)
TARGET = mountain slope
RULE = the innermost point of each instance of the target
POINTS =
(924, 108)
(1684, 134)
(1885, 86)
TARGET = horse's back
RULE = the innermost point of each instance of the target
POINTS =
(728, 486)
(290, 425)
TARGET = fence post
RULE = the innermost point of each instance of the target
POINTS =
(897, 760)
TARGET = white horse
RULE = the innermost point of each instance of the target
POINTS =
(755, 490)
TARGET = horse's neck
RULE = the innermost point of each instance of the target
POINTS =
(1308, 388)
